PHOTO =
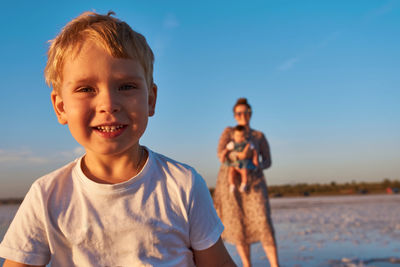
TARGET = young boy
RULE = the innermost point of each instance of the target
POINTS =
(120, 204)
(239, 144)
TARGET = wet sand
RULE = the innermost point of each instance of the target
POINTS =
(334, 231)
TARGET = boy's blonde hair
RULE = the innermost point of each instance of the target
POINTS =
(115, 36)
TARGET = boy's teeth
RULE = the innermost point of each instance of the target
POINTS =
(109, 129)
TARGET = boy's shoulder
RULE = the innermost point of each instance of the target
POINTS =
(180, 175)
(56, 178)
(174, 168)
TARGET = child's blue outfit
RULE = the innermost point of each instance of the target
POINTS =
(240, 163)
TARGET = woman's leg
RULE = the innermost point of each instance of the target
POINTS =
(272, 253)
(244, 253)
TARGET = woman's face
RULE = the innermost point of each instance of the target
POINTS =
(242, 115)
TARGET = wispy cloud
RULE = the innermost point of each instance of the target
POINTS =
(291, 62)
(328, 39)
(24, 155)
(28, 156)
(73, 153)
(170, 21)
(288, 64)
(163, 38)
(303, 55)
(386, 8)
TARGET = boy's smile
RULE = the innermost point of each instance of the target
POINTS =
(104, 100)
(109, 131)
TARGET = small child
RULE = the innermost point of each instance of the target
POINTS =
(120, 204)
(239, 144)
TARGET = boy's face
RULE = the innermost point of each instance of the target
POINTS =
(238, 136)
(104, 100)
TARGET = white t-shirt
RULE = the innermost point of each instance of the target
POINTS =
(154, 219)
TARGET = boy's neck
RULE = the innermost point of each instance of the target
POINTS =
(113, 169)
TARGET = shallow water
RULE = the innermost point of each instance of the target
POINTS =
(334, 231)
(322, 231)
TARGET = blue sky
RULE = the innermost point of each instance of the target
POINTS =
(322, 78)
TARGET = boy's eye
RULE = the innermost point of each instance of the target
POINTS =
(126, 87)
(85, 90)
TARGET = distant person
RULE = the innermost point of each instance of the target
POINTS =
(246, 215)
(238, 166)
(120, 204)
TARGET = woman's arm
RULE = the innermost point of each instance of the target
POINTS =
(255, 157)
(223, 155)
(265, 153)
(223, 141)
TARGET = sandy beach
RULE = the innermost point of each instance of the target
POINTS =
(362, 230)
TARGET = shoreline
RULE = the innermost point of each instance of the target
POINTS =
(17, 201)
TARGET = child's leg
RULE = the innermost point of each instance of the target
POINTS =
(244, 175)
(231, 178)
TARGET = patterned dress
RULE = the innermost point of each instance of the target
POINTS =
(246, 216)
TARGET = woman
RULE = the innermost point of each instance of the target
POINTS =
(246, 216)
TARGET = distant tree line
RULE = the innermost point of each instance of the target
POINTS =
(386, 186)
(333, 188)
(7, 201)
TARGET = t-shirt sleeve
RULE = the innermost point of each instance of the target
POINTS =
(205, 225)
(25, 240)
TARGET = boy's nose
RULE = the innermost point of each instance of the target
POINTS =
(108, 103)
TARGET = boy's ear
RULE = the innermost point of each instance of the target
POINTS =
(58, 105)
(152, 99)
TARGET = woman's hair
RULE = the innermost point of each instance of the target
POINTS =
(242, 101)
(115, 36)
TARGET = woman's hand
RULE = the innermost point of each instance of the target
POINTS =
(224, 155)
